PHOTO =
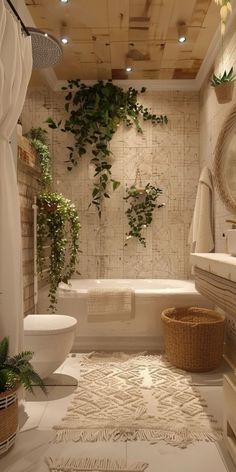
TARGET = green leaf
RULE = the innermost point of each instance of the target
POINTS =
(51, 123)
(115, 184)
(4, 350)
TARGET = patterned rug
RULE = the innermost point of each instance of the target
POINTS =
(136, 397)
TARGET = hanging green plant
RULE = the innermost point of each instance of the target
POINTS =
(94, 114)
(143, 202)
(57, 226)
(38, 139)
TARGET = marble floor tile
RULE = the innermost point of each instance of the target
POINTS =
(203, 457)
(27, 455)
(58, 401)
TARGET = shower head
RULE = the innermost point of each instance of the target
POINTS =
(46, 50)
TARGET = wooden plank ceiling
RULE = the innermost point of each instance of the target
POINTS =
(106, 35)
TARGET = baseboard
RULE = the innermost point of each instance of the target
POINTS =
(118, 343)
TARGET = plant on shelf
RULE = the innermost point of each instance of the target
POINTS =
(58, 226)
(14, 371)
(225, 9)
(38, 139)
(223, 85)
(143, 202)
(94, 113)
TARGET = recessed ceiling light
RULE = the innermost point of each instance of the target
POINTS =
(46, 35)
(64, 1)
(182, 32)
(128, 69)
(64, 40)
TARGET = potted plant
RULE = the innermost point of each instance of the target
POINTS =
(143, 201)
(14, 371)
(57, 227)
(224, 85)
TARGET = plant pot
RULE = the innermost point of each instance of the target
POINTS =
(8, 419)
(224, 92)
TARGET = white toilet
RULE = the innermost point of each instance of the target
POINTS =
(50, 338)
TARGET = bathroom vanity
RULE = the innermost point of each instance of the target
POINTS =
(215, 278)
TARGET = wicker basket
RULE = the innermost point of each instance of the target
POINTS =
(224, 92)
(193, 338)
(8, 419)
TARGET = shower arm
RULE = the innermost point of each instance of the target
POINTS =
(18, 17)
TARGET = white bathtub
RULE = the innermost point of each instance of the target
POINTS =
(144, 331)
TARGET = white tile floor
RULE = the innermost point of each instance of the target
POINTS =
(39, 414)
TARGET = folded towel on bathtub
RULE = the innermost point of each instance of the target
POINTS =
(110, 304)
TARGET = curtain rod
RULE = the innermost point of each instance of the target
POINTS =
(18, 17)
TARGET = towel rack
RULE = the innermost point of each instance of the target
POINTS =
(35, 210)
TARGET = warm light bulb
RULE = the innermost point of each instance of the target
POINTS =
(64, 1)
(64, 40)
(182, 39)
(128, 69)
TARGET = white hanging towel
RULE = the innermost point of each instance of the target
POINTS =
(201, 231)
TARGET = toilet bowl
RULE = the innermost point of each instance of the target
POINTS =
(50, 338)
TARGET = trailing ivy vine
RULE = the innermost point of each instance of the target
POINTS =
(57, 224)
(38, 139)
(140, 211)
(94, 113)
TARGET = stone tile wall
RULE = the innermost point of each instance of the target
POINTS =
(167, 156)
(28, 175)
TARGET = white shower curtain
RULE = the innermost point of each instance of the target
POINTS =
(15, 72)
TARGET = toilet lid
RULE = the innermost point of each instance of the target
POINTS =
(48, 324)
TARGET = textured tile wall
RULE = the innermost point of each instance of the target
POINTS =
(167, 156)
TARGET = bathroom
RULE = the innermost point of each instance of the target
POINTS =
(172, 50)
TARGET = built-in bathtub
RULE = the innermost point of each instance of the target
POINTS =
(144, 331)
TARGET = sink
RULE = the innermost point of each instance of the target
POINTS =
(221, 264)
(215, 278)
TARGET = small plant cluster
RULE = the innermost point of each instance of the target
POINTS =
(140, 211)
(37, 137)
(57, 224)
(94, 115)
(225, 9)
(224, 78)
(17, 370)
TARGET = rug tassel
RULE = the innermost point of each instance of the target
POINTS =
(87, 464)
(181, 439)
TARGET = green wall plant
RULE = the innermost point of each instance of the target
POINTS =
(94, 113)
(140, 212)
(57, 224)
(38, 139)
